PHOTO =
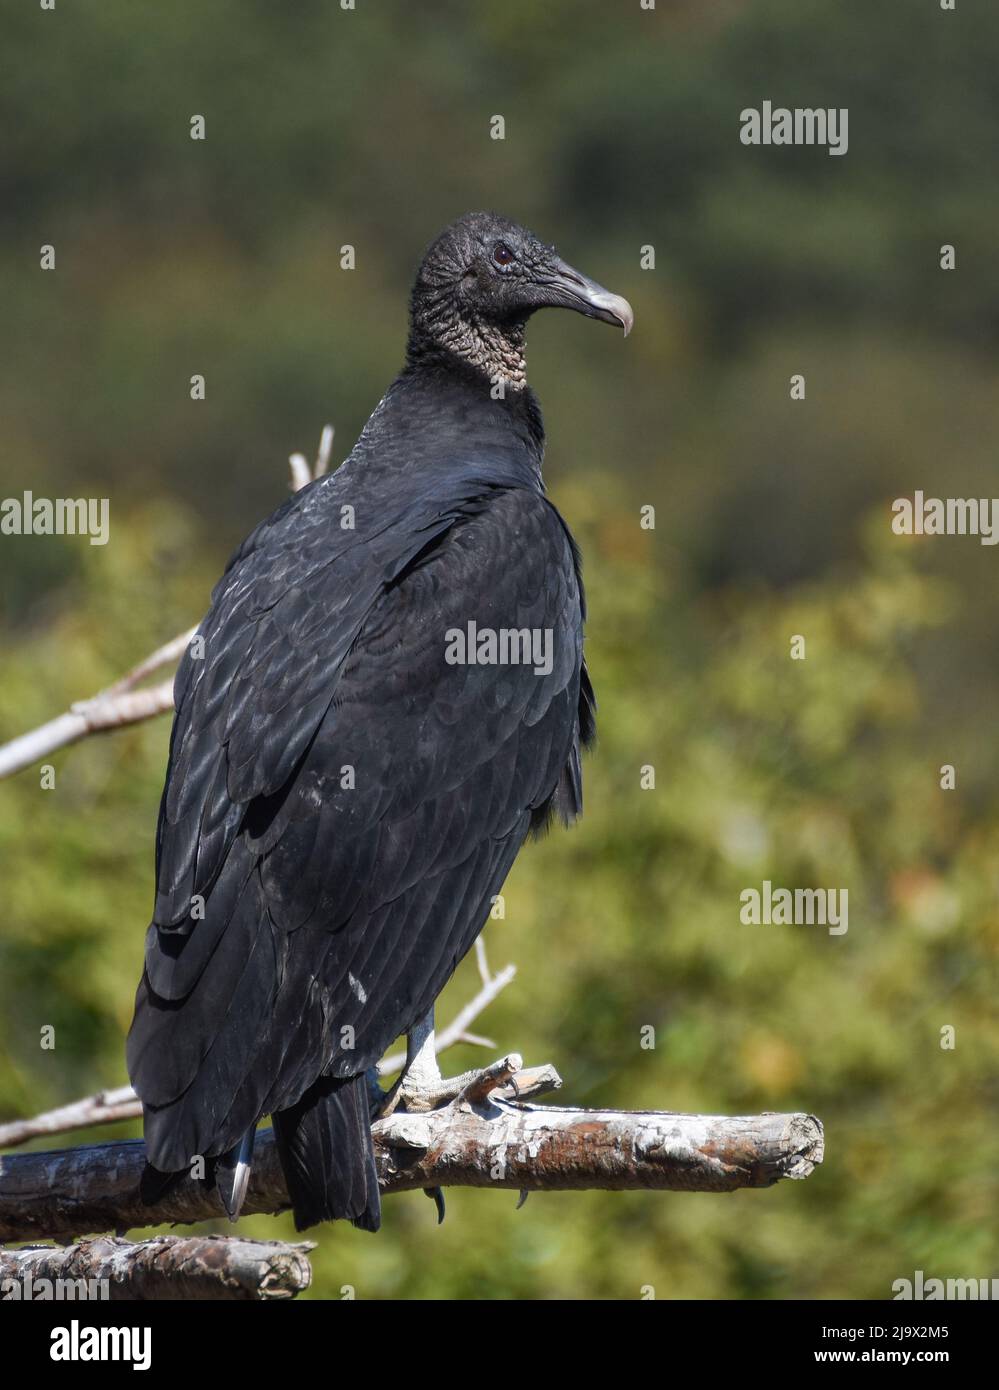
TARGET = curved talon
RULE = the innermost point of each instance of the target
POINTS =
(436, 1194)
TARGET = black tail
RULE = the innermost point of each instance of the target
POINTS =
(324, 1143)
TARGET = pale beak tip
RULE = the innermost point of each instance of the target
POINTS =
(624, 314)
(614, 307)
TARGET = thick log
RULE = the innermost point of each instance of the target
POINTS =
(167, 1267)
(527, 1148)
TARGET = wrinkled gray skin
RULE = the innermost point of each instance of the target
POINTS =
(471, 300)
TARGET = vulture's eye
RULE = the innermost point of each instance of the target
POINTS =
(502, 254)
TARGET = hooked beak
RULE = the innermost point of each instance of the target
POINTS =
(570, 290)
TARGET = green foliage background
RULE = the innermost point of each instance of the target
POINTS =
(370, 127)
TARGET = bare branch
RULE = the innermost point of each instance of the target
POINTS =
(120, 703)
(167, 1267)
(162, 656)
(325, 449)
(108, 1107)
(496, 1075)
(301, 473)
(488, 1144)
(480, 959)
(104, 1108)
(531, 1081)
(112, 708)
(90, 717)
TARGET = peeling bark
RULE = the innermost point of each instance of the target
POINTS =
(495, 1143)
(168, 1267)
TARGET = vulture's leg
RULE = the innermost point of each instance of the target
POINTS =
(422, 1087)
(422, 1078)
(420, 1083)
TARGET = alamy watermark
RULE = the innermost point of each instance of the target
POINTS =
(29, 515)
(947, 516)
(800, 125)
(505, 646)
(920, 1288)
(803, 907)
(30, 1289)
(76, 1343)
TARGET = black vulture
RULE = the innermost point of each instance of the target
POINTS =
(346, 789)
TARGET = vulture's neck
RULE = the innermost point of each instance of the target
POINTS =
(440, 330)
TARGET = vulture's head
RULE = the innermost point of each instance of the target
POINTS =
(480, 282)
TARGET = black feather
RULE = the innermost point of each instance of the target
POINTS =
(324, 1142)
